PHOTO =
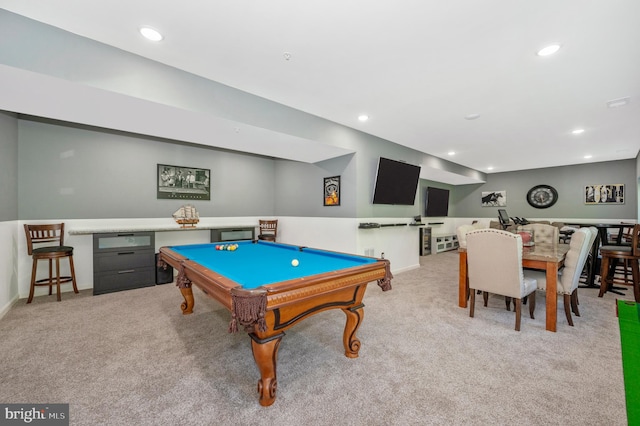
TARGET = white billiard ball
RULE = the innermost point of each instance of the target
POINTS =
(295, 262)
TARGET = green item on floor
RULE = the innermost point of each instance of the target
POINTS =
(629, 320)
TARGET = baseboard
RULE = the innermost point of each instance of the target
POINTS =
(5, 309)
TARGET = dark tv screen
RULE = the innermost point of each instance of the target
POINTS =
(436, 202)
(503, 216)
(396, 182)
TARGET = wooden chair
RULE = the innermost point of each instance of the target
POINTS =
(52, 236)
(268, 230)
(613, 254)
(623, 273)
(494, 259)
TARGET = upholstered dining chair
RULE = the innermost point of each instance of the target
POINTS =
(542, 233)
(268, 230)
(462, 230)
(569, 276)
(612, 254)
(46, 242)
(494, 265)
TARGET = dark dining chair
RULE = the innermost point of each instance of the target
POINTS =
(612, 254)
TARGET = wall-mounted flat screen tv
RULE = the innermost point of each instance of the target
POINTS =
(436, 202)
(396, 182)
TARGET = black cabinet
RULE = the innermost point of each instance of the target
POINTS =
(123, 261)
(232, 234)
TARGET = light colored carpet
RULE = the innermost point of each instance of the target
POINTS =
(132, 358)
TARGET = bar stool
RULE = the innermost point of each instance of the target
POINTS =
(612, 254)
(53, 237)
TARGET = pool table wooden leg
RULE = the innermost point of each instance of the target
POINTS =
(187, 305)
(355, 315)
(265, 353)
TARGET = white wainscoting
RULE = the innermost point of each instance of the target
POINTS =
(9, 237)
(399, 244)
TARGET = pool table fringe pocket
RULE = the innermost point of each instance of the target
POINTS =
(182, 281)
(385, 283)
(248, 310)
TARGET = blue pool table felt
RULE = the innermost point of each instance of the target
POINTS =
(254, 264)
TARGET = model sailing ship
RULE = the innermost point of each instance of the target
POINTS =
(187, 216)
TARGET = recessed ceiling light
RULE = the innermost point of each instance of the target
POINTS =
(615, 103)
(151, 33)
(471, 116)
(363, 117)
(490, 168)
(549, 50)
(451, 153)
(577, 131)
(586, 157)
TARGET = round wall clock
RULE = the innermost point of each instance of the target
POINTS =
(542, 196)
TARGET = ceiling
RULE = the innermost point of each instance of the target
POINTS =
(417, 68)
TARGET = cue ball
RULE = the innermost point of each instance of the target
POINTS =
(295, 262)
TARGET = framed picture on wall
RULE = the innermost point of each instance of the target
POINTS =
(494, 199)
(183, 183)
(332, 191)
(604, 194)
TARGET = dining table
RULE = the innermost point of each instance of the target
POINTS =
(548, 257)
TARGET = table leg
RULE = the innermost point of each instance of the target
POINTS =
(552, 295)
(265, 354)
(604, 276)
(463, 280)
(187, 305)
(355, 315)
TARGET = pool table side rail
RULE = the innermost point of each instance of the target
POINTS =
(278, 294)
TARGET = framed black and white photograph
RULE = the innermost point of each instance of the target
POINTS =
(494, 199)
(332, 191)
(604, 194)
(183, 183)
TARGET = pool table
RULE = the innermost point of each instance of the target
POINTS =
(266, 294)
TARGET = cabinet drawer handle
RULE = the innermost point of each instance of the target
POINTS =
(128, 271)
(126, 252)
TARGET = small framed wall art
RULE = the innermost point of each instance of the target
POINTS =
(604, 194)
(183, 183)
(331, 194)
(494, 199)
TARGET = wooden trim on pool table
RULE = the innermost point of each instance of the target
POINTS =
(279, 294)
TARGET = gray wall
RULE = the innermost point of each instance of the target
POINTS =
(68, 171)
(8, 167)
(76, 173)
(570, 183)
(299, 188)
